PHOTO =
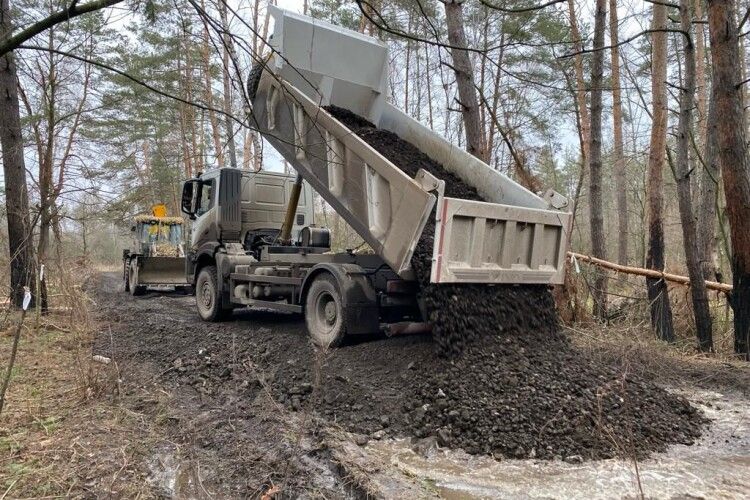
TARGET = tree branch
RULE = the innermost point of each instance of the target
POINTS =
(624, 42)
(521, 10)
(74, 10)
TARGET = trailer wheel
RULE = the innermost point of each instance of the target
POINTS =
(132, 282)
(324, 312)
(207, 296)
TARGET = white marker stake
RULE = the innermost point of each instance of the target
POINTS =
(26, 298)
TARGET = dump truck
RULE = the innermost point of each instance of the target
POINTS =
(248, 251)
(157, 257)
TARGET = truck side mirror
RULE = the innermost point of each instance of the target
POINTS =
(190, 191)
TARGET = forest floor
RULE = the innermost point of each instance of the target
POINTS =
(187, 409)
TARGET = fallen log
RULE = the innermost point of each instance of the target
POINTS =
(649, 273)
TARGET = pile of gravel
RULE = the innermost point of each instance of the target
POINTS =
(508, 382)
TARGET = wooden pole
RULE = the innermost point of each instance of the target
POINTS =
(650, 273)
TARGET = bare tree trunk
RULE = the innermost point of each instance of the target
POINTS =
(228, 53)
(708, 198)
(187, 169)
(408, 64)
(700, 76)
(596, 208)
(247, 145)
(584, 122)
(709, 178)
(20, 244)
(209, 94)
(429, 86)
(682, 177)
(467, 94)
(658, 293)
(621, 186)
(733, 158)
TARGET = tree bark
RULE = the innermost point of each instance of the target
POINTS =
(465, 80)
(708, 198)
(709, 178)
(596, 209)
(621, 186)
(209, 94)
(20, 243)
(9, 43)
(733, 158)
(700, 76)
(584, 123)
(658, 294)
(682, 177)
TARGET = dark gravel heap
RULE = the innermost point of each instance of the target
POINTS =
(461, 312)
(509, 382)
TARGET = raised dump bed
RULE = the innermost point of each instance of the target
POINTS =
(514, 236)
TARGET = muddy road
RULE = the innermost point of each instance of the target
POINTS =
(248, 406)
(233, 399)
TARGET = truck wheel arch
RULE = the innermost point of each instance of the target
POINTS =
(359, 298)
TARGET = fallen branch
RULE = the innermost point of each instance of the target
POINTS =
(649, 273)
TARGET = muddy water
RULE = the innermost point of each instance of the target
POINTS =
(717, 466)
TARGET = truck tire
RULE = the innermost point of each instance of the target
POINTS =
(208, 297)
(324, 312)
(126, 275)
(132, 283)
(253, 79)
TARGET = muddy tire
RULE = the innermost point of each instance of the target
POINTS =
(131, 284)
(253, 79)
(126, 276)
(208, 297)
(324, 312)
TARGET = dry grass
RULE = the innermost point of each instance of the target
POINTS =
(633, 346)
(63, 431)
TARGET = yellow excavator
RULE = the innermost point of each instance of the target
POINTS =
(159, 256)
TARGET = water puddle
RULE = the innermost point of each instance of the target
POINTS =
(173, 478)
(717, 466)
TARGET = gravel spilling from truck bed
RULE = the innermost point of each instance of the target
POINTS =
(507, 381)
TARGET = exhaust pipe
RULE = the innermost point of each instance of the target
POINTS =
(406, 328)
(291, 210)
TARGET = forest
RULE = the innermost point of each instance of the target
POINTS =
(635, 111)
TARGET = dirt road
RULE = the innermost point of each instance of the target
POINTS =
(233, 398)
(233, 403)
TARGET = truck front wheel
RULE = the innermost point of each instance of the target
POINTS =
(324, 312)
(207, 296)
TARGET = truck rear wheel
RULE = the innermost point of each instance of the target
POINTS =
(132, 282)
(208, 297)
(324, 312)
